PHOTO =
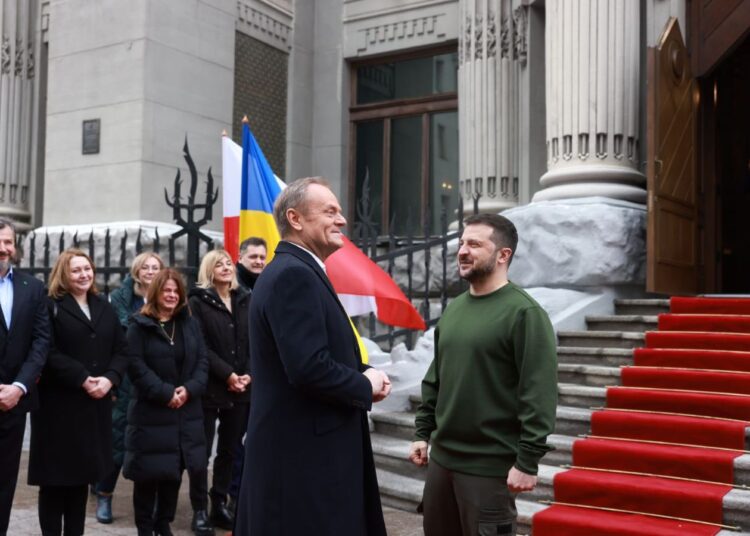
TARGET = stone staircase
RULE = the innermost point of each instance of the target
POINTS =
(588, 362)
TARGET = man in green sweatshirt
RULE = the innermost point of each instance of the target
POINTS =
(489, 396)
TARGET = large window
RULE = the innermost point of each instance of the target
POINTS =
(404, 142)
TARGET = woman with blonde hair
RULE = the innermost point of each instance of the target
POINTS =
(222, 307)
(71, 432)
(164, 436)
(126, 300)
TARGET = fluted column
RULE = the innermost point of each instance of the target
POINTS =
(492, 49)
(592, 90)
(18, 35)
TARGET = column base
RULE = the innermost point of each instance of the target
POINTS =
(601, 180)
(624, 192)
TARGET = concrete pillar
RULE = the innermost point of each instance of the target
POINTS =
(492, 50)
(592, 96)
(19, 35)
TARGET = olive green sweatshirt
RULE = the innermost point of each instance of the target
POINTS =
(489, 396)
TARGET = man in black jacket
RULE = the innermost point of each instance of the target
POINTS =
(24, 341)
(308, 460)
(252, 260)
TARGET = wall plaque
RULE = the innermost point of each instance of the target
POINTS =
(91, 133)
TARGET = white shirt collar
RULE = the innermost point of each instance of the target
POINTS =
(314, 256)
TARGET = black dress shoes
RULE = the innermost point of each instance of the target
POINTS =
(201, 524)
(221, 515)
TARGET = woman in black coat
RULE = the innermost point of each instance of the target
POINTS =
(168, 370)
(71, 432)
(222, 308)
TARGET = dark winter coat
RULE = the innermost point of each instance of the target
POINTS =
(227, 342)
(245, 277)
(308, 462)
(71, 433)
(125, 302)
(157, 436)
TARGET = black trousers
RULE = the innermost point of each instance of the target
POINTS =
(12, 427)
(58, 504)
(232, 422)
(458, 504)
(155, 503)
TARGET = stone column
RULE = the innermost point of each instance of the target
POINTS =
(18, 32)
(492, 50)
(592, 96)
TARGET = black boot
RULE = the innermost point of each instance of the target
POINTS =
(221, 515)
(201, 524)
(104, 508)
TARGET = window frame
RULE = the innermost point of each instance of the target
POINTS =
(386, 111)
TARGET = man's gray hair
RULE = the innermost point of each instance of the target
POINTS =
(293, 196)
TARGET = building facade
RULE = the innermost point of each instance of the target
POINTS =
(409, 103)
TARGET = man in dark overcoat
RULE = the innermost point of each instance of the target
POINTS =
(308, 462)
(24, 341)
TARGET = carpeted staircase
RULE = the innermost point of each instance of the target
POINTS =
(658, 430)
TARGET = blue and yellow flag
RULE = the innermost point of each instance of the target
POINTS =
(259, 192)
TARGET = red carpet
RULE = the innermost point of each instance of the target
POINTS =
(698, 359)
(720, 323)
(677, 420)
(687, 379)
(680, 429)
(568, 521)
(698, 340)
(648, 494)
(710, 306)
(695, 463)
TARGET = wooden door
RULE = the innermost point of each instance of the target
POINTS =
(672, 233)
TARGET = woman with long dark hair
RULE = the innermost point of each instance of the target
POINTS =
(71, 432)
(126, 301)
(164, 436)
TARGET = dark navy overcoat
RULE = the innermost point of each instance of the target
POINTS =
(308, 462)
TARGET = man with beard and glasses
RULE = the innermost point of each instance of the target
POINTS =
(489, 396)
(24, 341)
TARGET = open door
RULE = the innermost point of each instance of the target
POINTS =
(672, 232)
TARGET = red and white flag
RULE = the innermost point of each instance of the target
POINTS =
(364, 287)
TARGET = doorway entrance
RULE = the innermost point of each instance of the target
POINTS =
(730, 90)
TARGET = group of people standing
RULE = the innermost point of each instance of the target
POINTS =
(186, 362)
(135, 384)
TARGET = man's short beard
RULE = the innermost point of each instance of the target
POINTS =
(481, 271)
(6, 265)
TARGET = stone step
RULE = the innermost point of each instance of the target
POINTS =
(601, 339)
(391, 454)
(613, 357)
(641, 307)
(397, 424)
(544, 489)
(639, 323)
(570, 420)
(581, 396)
(563, 450)
(591, 375)
(399, 491)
